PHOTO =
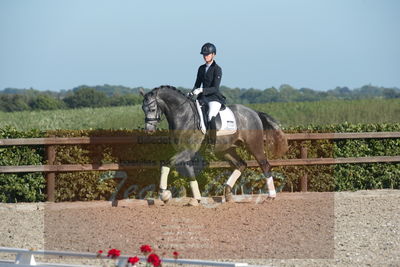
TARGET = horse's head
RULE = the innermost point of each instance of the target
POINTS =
(169, 101)
(151, 109)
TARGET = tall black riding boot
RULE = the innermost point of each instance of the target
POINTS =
(212, 132)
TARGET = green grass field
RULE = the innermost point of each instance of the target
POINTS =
(288, 114)
(333, 112)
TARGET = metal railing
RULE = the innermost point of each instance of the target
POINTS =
(26, 257)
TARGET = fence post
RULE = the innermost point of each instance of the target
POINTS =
(51, 176)
(304, 178)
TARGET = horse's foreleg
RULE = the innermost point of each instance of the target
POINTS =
(195, 190)
(164, 194)
(164, 177)
(184, 163)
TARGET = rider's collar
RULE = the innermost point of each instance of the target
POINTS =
(208, 65)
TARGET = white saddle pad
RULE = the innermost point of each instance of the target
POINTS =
(228, 121)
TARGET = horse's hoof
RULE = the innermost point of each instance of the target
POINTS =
(193, 202)
(268, 199)
(165, 196)
(228, 193)
(229, 199)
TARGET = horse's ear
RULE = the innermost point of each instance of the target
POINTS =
(141, 91)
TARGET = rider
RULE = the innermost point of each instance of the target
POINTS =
(207, 84)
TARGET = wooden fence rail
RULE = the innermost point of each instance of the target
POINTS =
(50, 144)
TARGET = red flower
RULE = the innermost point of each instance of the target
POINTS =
(145, 249)
(114, 253)
(154, 259)
(133, 260)
(176, 254)
(100, 252)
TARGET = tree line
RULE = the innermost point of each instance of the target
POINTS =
(12, 99)
(84, 96)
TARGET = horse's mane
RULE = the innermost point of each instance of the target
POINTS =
(168, 87)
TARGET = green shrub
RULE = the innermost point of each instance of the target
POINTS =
(21, 187)
(373, 175)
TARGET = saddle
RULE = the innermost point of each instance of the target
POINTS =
(225, 120)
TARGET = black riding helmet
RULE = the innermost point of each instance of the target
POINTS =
(208, 48)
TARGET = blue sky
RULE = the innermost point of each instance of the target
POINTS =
(318, 44)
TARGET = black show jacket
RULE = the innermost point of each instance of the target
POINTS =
(210, 81)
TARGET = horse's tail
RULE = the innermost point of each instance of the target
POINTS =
(275, 137)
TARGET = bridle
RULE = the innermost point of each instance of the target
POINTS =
(154, 120)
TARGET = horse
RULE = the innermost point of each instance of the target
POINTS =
(183, 121)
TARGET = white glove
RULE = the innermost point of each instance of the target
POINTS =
(197, 91)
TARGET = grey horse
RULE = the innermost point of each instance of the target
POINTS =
(184, 125)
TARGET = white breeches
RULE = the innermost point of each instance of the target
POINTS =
(213, 109)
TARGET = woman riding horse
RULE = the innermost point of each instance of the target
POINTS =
(206, 87)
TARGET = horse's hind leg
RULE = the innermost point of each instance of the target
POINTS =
(239, 166)
(257, 149)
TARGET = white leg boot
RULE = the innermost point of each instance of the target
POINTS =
(165, 195)
(271, 187)
(196, 194)
(229, 185)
